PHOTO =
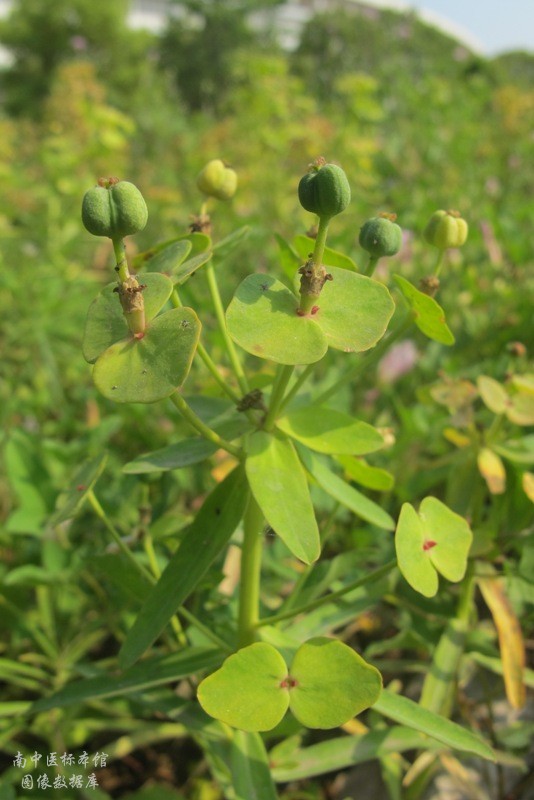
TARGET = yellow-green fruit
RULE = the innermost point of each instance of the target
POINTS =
(381, 236)
(446, 229)
(114, 208)
(325, 190)
(217, 180)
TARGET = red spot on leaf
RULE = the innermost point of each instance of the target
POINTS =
(429, 544)
(80, 487)
(288, 683)
(314, 310)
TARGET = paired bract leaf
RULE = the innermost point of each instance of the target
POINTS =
(262, 318)
(429, 315)
(329, 431)
(278, 483)
(149, 369)
(354, 311)
(326, 685)
(105, 322)
(431, 541)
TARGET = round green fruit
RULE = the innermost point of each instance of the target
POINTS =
(325, 190)
(446, 229)
(217, 180)
(381, 236)
(114, 208)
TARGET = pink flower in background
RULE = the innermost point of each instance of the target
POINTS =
(401, 359)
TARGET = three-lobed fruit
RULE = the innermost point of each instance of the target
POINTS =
(114, 208)
(324, 190)
(446, 229)
(217, 180)
(381, 236)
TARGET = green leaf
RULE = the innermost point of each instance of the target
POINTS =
(333, 683)
(435, 540)
(185, 270)
(82, 483)
(105, 322)
(354, 311)
(406, 712)
(185, 453)
(210, 531)
(152, 368)
(338, 753)
(358, 470)
(147, 674)
(278, 483)
(332, 258)
(262, 318)
(329, 431)
(347, 495)
(429, 315)
(246, 692)
(519, 451)
(290, 260)
(250, 768)
(440, 681)
(29, 480)
(493, 394)
(169, 257)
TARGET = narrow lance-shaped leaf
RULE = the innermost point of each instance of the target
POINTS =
(205, 538)
(329, 431)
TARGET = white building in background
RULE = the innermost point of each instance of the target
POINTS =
(288, 18)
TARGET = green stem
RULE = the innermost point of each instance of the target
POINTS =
(301, 380)
(320, 241)
(282, 378)
(439, 262)
(205, 431)
(219, 312)
(208, 633)
(249, 592)
(101, 514)
(327, 598)
(120, 257)
(206, 358)
(371, 266)
(366, 361)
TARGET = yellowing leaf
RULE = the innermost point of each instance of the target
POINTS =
(528, 485)
(456, 437)
(510, 635)
(493, 394)
(492, 470)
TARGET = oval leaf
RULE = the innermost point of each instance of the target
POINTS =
(169, 257)
(328, 431)
(262, 318)
(492, 470)
(354, 311)
(494, 396)
(149, 369)
(246, 691)
(278, 482)
(359, 471)
(332, 683)
(332, 258)
(412, 558)
(429, 315)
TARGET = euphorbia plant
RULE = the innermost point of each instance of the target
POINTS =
(281, 444)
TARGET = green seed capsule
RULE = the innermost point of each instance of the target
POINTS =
(217, 180)
(446, 229)
(114, 208)
(381, 236)
(325, 190)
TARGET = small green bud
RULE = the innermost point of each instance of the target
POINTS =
(446, 229)
(217, 180)
(114, 208)
(381, 236)
(324, 190)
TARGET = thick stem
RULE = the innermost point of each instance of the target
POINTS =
(249, 593)
(120, 257)
(205, 431)
(283, 376)
(313, 273)
(219, 311)
(371, 266)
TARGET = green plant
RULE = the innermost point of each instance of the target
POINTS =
(285, 450)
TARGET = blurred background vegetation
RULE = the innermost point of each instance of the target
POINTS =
(416, 119)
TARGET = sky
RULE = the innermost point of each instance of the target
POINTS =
(496, 25)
